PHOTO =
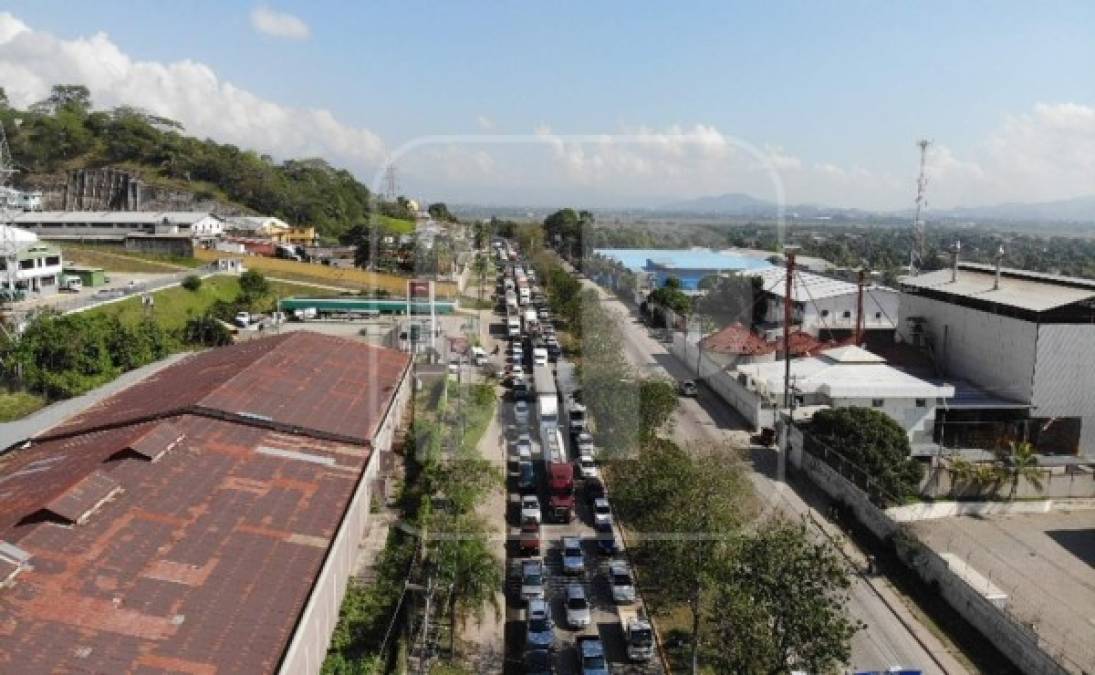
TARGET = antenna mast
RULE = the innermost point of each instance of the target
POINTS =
(916, 258)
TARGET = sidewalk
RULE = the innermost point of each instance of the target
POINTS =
(483, 646)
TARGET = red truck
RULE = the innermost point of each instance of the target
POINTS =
(561, 486)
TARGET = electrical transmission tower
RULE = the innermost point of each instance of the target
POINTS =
(916, 257)
(9, 251)
(391, 187)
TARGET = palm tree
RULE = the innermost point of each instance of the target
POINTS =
(465, 563)
(1023, 465)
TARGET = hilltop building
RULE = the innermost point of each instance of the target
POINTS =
(204, 520)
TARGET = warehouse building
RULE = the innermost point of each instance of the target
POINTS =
(116, 225)
(204, 520)
(825, 307)
(1022, 337)
(841, 377)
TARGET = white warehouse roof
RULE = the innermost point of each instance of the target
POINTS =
(843, 372)
(129, 217)
(809, 286)
(17, 235)
(1018, 288)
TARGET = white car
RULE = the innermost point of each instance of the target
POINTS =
(619, 577)
(602, 512)
(530, 509)
(584, 441)
(587, 468)
(532, 579)
(243, 319)
(539, 356)
(524, 448)
(577, 606)
(520, 411)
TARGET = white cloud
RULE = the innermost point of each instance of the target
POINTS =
(270, 21)
(187, 91)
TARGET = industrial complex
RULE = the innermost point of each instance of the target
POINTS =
(203, 520)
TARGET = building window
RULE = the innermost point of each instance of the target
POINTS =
(824, 313)
(921, 403)
(47, 281)
(878, 402)
(26, 264)
(53, 260)
(847, 315)
(878, 315)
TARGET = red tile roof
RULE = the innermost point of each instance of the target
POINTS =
(736, 339)
(204, 559)
(802, 344)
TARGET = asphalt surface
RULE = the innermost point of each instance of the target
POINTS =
(605, 621)
(889, 639)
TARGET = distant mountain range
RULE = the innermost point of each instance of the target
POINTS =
(1076, 210)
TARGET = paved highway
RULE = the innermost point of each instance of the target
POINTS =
(888, 639)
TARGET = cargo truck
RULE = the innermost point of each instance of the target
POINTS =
(638, 634)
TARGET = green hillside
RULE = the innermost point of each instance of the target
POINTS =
(65, 132)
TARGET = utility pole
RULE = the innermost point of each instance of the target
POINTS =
(859, 309)
(916, 257)
(788, 303)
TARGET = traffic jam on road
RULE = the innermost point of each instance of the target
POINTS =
(572, 606)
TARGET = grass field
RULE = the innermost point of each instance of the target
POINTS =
(350, 279)
(117, 259)
(173, 306)
(397, 225)
(18, 404)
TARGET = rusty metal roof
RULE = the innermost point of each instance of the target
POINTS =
(202, 560)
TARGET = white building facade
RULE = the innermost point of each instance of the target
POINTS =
(1022, 336)
(822, 304)
(845, 377)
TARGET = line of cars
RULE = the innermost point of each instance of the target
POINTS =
(579, 576)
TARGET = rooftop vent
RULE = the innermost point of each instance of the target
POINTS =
(153, 445)
(76, 504)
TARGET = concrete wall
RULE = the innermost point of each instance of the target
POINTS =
(748, 403)
(1057, 483)
(995, 352)
(310, 641)
(1063, 377)
(181, 246)
(1015, 641)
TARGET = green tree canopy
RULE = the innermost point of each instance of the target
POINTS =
(780, 605)
(869, 447)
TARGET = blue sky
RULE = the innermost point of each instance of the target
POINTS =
(839, 90)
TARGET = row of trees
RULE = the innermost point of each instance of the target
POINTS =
(60, 356)
(64, 355)
(762, 596)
